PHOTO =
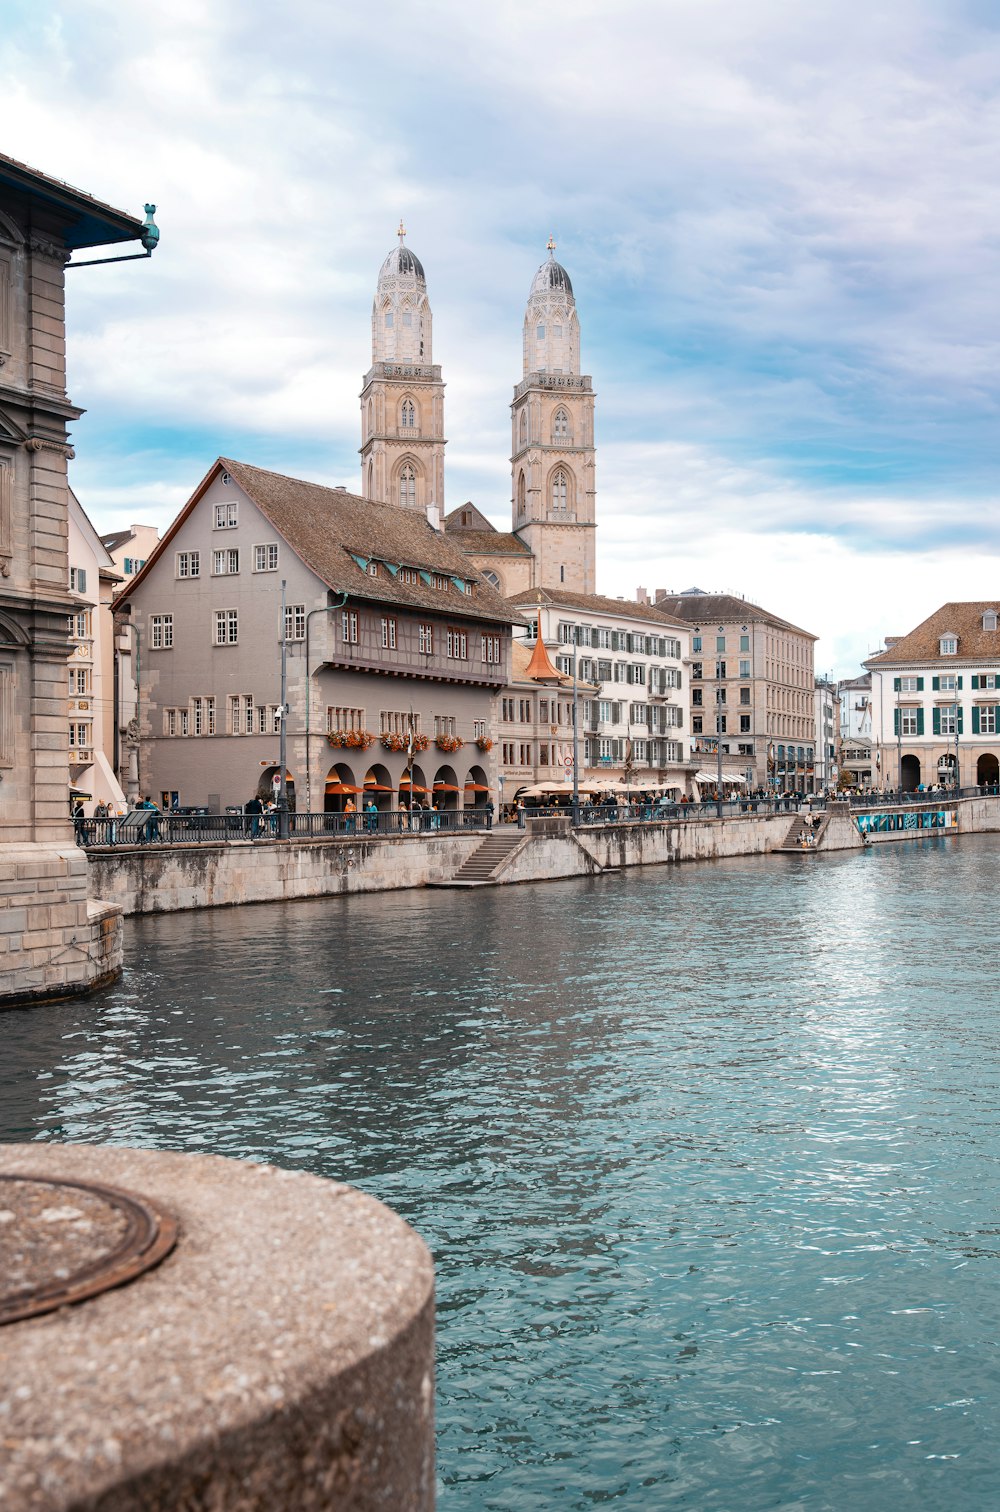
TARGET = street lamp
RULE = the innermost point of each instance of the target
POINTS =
(324, 609)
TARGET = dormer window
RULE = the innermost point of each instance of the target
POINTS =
(949, 645)
(373, 569)
(990, 619)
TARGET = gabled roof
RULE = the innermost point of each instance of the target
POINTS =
(595, 603)
(115, 539)
(490, 543)
(699, 608)
(336, 534)
(466, 517)
(87, 222)
(962, 620)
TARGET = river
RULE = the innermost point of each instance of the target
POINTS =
(706, 1156)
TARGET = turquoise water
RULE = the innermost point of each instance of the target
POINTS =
(707, 1156)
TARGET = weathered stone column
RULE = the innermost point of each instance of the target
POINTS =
(280, 1357)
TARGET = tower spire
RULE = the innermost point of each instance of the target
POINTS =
(401, 231)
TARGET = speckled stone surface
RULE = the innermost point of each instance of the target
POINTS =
(281, 1357)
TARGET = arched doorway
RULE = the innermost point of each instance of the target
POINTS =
(446, 789)
(340, 785)
(477, 789)
(988, 770)
(909, 775)
(269, 783)
(421, 789)
(946, 770)
(378, 786)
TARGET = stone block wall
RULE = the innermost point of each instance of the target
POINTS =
(54, 940)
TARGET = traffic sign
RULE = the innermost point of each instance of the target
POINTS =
(568, 761)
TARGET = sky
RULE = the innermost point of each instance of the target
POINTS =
(780, 221)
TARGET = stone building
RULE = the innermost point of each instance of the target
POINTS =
(130, 550)
(92, 735)
(52, 938)
(535, 722)
(856, 760)
(632, 720)
(827, 715)
(752, 688)
(402, 398)
(389, 632)
(935, 701)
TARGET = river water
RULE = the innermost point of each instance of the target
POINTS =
(706, 1156)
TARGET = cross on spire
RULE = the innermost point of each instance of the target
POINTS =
(402, 231)
(551, 245)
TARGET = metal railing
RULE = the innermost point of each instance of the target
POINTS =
(150, 827)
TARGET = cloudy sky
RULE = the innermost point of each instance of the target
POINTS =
(780, 219)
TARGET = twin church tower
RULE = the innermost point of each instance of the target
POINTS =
(551, 544)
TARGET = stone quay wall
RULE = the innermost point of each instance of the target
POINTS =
(55, 940)
(279, 1359)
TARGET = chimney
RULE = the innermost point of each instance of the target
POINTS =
(660, 595)
(434, 516)
(641, 596)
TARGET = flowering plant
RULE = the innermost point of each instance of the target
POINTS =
(399, 742)
(448, 742)
(484, 743)
(355, 740)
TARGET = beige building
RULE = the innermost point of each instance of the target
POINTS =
(535, 722)
(388, 631)
(91, 671)
(53, 939)
(402, 398)
(752, 688)
(131, 549)
(935, 701)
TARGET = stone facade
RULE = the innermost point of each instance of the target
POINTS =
(402, 398)
(47, 941)
(92, 733)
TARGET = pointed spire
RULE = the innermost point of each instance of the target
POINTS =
(540, 668)
(402, 231)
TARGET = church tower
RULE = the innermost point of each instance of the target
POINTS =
(402, 401)
(554, 487)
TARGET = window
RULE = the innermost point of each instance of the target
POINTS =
(407, 415)
(295, 622)
(188, 564)
(744, 695)
(745, 668)
(388, 320)
(407, 486)
(479, 729)
(990, 620)
(908, 684)
(521, 502)
(388, 633)
(440, 582)
(349, 627)
(427, 639)
(507, 753)
(227, 516)
(559, 492)
(444, 724)
(458, 644)
(946, 683)
(947, 719)
(265, 558)
(696, 672)
(744, 724)
(696, 643)
(720, 695)
(78, 579)
(340, 718)
(491, 649)
(720, 643)
(372, 569)
(560, 425)
(79, 735)
(949, 645)
(225, 562)
(720, 724)
(392, 722)
(744, 643)
(564, 664)
(129, 567)
(161, 631)
(540, 333)
(908, 722)
(79, 681)
(523, 428)
(409, 575)
(696, 724)
(227, 626)
(720, 669)
(986, 680)
(987, 720)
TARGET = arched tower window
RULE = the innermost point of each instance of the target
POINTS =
(559, 492)
(560, 425)
(371, 480)
(407, 486)
(491, 577)
(407, 414)
(523, 433)
(370, 414)
(520, 494)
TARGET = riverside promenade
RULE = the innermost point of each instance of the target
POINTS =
(200, 864)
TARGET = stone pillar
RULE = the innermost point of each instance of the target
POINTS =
(279, 1359)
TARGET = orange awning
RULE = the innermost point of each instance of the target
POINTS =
(415, 787)
(476, 787)
(377, 787)
(446, 787)
(342, 787)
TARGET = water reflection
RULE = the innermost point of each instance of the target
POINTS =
(705, 1156)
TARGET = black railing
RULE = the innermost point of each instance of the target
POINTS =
(150, 827)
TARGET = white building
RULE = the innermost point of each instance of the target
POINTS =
(856, 760)
(91, 707)
(827, 733)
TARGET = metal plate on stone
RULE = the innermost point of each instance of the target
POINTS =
(65, 1241)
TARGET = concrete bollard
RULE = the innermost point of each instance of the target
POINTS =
(279, 1357)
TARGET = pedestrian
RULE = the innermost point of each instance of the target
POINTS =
(372, 811)
(150, 831)
(254, 808)
(488, 808)
(350, 809)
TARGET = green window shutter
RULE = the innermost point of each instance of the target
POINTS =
(937, 719)
(936, 684)
(975, 682)
(920, 685)
(975, 719)
(895, 684)
(960, 719)
(895, 721)
(920, 721)
(960, 680)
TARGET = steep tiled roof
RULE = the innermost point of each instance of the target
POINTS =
(703, 608)
(490, 543)
(963, 620)
(115, 539)
(520, 659)
(596, 603)
(328, 528)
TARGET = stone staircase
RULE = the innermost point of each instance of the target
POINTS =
(801, 825)
(478, 869)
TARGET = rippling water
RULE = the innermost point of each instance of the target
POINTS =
(707, 1156)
